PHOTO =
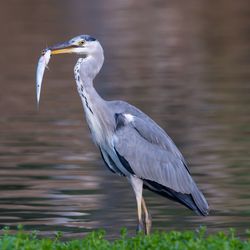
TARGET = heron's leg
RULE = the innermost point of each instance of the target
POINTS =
(147, 217)
(137, 185)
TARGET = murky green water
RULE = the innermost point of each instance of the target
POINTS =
(184, 64)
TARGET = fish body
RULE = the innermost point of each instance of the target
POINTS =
(42, 64)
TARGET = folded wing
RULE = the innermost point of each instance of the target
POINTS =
(153, 157)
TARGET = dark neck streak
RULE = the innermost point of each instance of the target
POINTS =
(91, 98)
(86, 100)
(95, 107)
(83, 85)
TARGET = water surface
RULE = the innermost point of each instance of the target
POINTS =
(184, 64)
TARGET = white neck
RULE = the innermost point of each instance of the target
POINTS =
(85, 71)
(92, 64)
(87, 68)
(97, 113)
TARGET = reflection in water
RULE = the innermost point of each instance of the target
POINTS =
(186, 65)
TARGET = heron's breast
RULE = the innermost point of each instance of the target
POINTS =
(97, 131)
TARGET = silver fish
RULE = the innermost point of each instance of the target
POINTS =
(42, 64)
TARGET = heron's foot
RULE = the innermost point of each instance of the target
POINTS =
(147, 221)
(140, 227)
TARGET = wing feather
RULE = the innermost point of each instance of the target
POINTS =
(149, 161)
(153, 156)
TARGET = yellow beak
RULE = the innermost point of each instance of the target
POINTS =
(61, 51)
(61, 48)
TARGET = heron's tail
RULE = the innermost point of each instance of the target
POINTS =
(194, 201)
(200, 202)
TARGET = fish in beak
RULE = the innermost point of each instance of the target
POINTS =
(42, 64)
(60, 48)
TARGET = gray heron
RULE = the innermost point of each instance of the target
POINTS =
(130, 142)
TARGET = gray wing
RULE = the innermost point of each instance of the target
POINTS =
(153, 157)
(139, 144)
(149, 129)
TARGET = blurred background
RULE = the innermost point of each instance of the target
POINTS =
(184, 63)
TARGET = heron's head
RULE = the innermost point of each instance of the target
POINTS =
(86, 47)
(83, 45)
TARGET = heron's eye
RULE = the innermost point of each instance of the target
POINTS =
(82, 42)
